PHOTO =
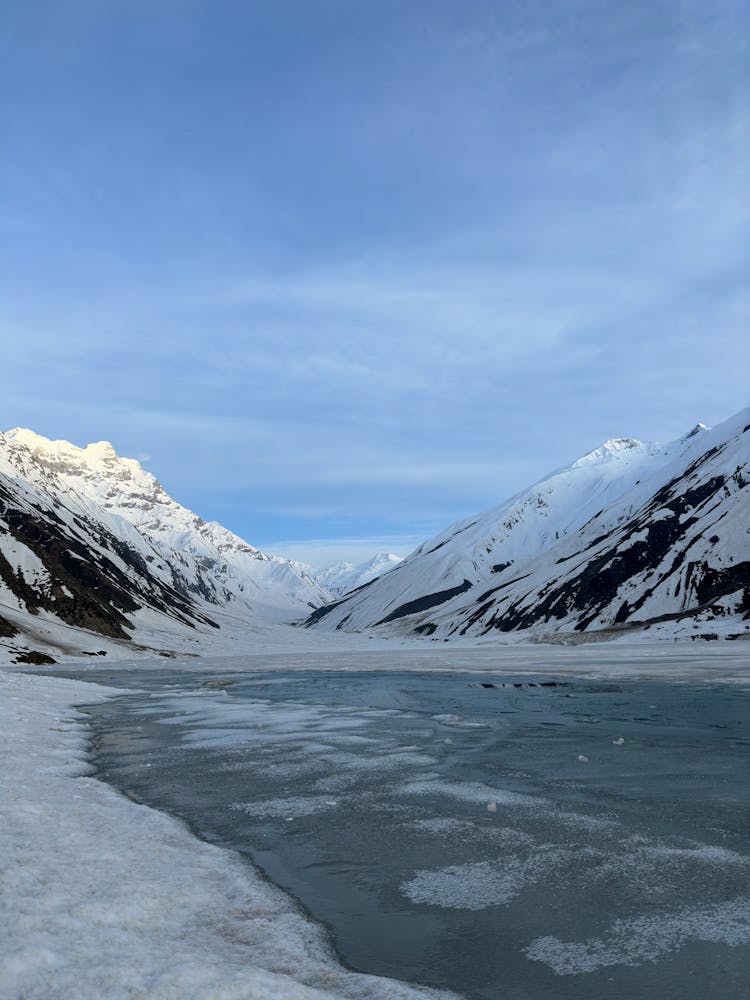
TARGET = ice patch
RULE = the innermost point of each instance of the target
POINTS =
(582, 821)
(391, 761)
(653, 869)
(482, 884)
(335, 782)
(351, 739)
(443, 825)
(706, 853)
(284, 808)
(457, 720)
(647, 939)
(219, 721)
(503, 800)
(509, 837)
(470, 791)
(286, 769)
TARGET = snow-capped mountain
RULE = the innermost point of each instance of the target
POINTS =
(93, 541)
(629, 533)
(342, 577)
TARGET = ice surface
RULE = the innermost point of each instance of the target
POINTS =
(101, 889)
(104, 898)
(525, 867)
(292, 650)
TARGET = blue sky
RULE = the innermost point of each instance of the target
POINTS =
(347, 271)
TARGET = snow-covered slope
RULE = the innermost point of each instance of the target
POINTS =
(342, 577)
(627, 533)
(93, 541)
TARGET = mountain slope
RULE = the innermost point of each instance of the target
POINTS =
(628, 533)
(92, 541)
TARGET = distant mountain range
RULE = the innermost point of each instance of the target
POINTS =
(342, 577)
(629, 536)
(91, 541)
(96, 557)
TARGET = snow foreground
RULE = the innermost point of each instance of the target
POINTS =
(107, 898)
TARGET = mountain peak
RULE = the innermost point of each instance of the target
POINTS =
(39, 443)
(615, 449)
(618, 444)
(98, 458)
(698, 429)
(103, 448)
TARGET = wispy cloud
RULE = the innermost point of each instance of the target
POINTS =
(330, 269)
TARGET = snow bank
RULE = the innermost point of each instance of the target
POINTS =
(107, 898)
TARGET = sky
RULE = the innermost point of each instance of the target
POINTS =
(340, 272)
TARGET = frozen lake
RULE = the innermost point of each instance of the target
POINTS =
(527, 836)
